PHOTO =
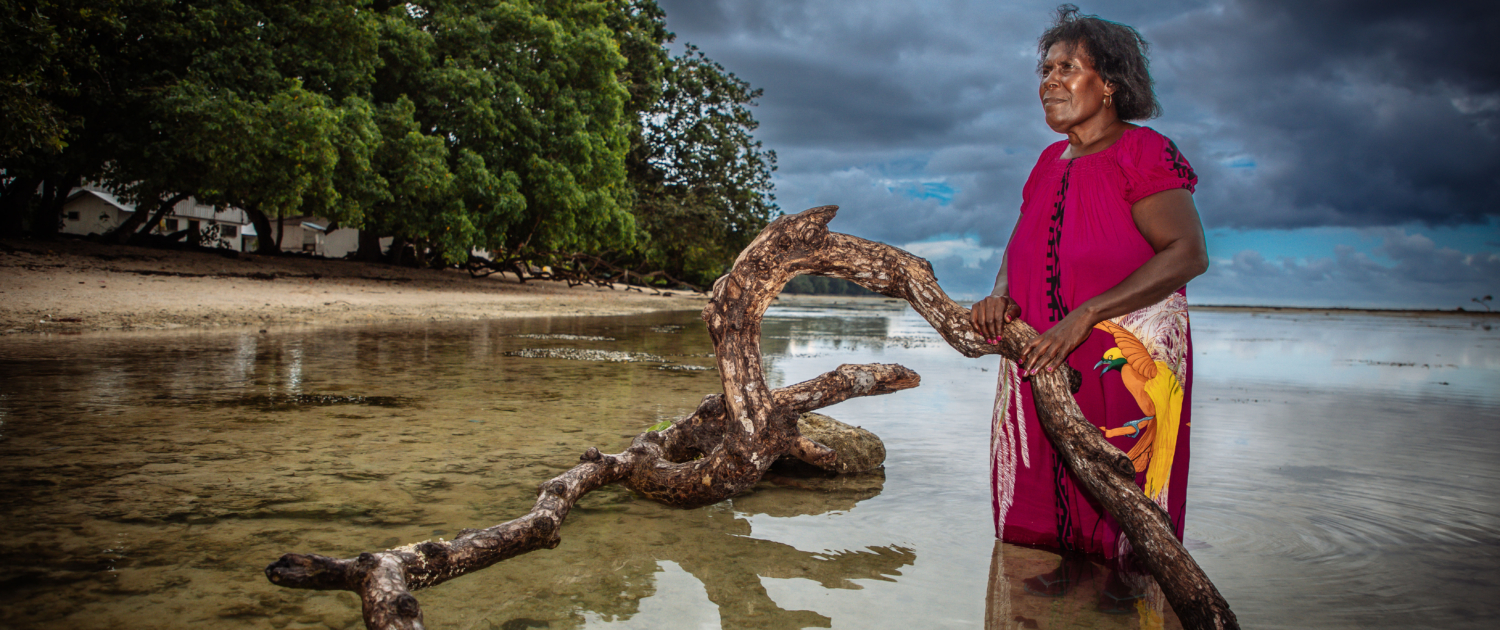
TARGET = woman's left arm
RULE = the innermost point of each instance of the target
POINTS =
(1170, 223)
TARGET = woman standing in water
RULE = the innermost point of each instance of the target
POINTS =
(1107, 240)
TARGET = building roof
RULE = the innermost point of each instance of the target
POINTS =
(106, 197)
(186, 209)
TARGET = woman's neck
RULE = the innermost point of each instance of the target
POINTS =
(1094, 135)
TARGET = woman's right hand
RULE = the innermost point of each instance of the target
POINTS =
(990, 314)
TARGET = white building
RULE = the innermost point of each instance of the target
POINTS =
(93, 210)
(89, 210)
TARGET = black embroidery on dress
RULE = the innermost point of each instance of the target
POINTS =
(1180, 164)
(1055, 303)
(1061, 489)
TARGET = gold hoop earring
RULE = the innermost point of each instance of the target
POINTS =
(1109, 100)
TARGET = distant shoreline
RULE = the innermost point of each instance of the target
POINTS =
(1391, 312)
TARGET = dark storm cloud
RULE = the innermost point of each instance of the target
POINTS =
(1336, 113)
(1298, 113)
(1295, 114)
(864, 102)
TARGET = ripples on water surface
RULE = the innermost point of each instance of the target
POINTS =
(1344, 475)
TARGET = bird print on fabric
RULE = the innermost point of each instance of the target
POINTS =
(1149, 353)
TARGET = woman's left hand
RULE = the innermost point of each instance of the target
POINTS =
(1050, 349)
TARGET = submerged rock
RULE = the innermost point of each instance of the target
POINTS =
(580, 354)
(563, 337)
(859, 450)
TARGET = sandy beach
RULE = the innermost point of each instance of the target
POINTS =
(78, 286)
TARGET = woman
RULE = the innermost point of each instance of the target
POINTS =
(1108, 237)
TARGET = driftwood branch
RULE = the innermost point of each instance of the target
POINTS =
(727, 444)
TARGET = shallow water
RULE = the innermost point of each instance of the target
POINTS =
(1344, 475)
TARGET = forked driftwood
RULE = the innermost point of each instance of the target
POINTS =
(727, 444)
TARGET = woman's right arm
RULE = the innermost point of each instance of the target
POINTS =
(990, 314)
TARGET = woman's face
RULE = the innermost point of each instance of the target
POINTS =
(1072, 91)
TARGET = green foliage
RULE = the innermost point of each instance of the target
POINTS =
(525, 102)
(509, 125)
(50, 57)
(237, 141)
(819, 285)
(703, 183)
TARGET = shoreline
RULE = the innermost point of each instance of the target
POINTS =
(1340, 310)
(73, 286)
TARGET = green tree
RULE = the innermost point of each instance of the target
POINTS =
(525, 100)
(64, 95)
(525, 127)
(267, 113)
(703, 183)
(122, 76)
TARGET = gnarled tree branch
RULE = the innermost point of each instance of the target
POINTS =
(727, 444)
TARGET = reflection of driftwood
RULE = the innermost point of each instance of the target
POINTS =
(736, 436)
(625, 559)
(658, 465)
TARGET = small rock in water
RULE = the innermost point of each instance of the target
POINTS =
(859, 450)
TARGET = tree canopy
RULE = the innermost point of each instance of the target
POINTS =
(525, 128)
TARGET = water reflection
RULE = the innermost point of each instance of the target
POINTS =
(1344, 476)
(148, 478)
(1092, 597)
(618, 552)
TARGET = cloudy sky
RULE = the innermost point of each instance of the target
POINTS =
(1348, 151)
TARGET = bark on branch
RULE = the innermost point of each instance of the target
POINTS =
(727, 444)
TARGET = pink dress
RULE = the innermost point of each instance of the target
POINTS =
(1077, 239)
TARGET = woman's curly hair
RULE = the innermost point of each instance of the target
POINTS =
(1118, 53)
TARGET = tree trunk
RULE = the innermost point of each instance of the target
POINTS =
(736, 436)
(369, 245)
(47, 218)
(15, 201)
(264, 244)
(397, 252)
